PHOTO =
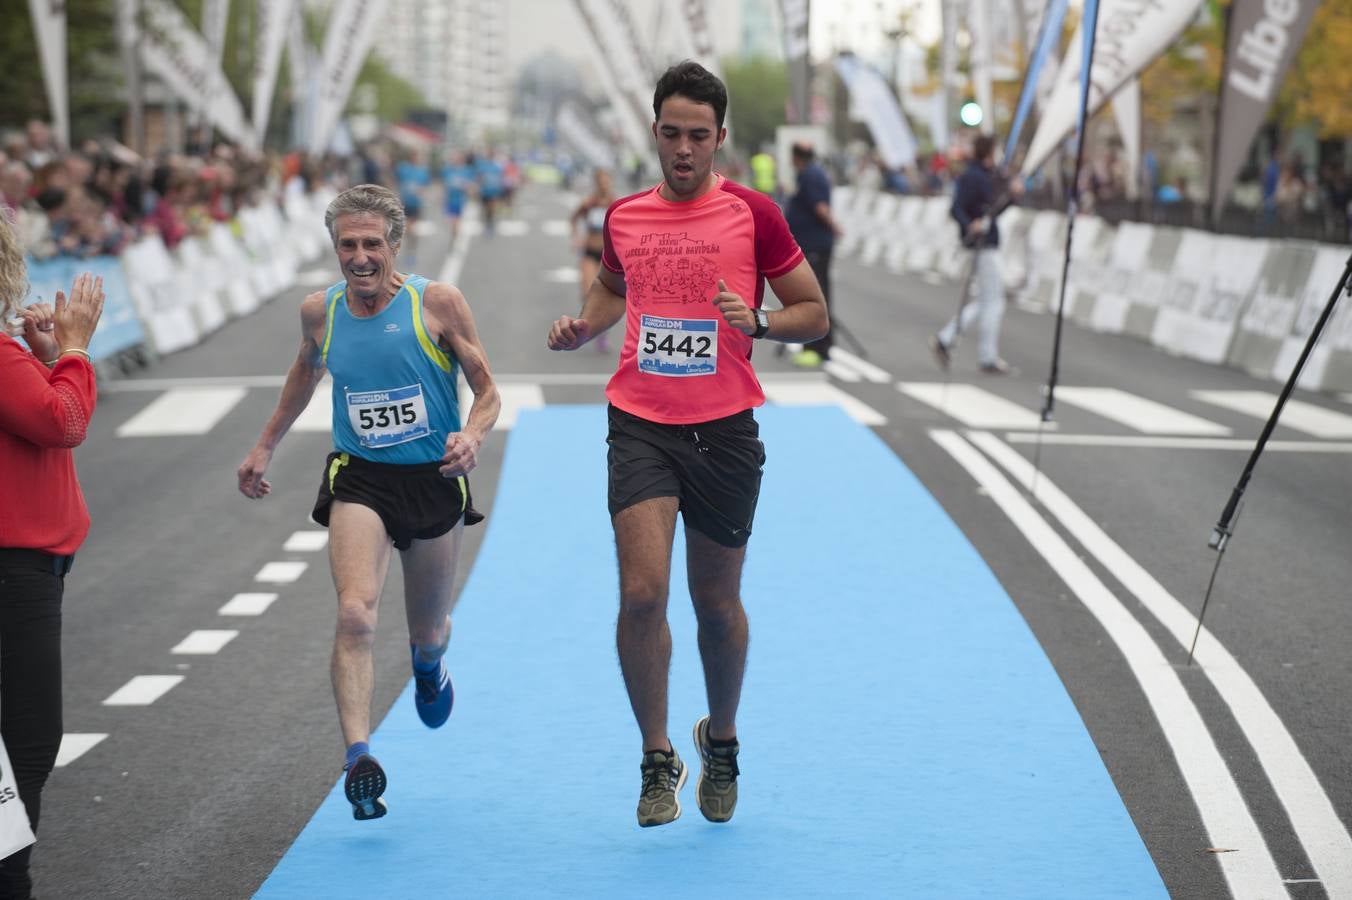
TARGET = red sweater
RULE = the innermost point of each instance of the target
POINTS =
(43, 414)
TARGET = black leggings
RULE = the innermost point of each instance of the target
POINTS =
(30, 694)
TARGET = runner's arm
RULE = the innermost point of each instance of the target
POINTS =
(604, 303)
(457, 333)
(804, 317)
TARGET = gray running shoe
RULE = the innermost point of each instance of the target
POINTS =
(663, 777)
(716, 789)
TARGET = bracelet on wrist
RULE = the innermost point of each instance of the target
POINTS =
(82, 352)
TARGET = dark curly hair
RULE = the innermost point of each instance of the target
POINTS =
(694, 82)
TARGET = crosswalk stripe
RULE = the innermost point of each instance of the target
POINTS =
(306, 542)
(318, 413)
(183, 411)
(863, 367)
(820, 393)
(513, 228)
(247, 605)
(1297, 414)
(204, 642)
(838, 370)
(972, 406)
(1145, 416)
(281, 572)
(143, 690)
(75, 745)
(556, 228)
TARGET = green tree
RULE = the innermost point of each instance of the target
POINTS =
(1317, 88)
(758, 94)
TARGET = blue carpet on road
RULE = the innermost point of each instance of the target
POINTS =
(902, 732)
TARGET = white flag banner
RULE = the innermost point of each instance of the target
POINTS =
(979, 24)
(623, 72)
(1130, 35)
(948, 67)
(874, 102)
(272, 23)
(352, 29)
(49, 22)
(580, 131)
(177, 53)
(795, 16)
(215, 14)
(1127, 115)
(693, 19)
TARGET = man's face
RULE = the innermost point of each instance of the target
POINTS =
(687, 138)
(364, 256)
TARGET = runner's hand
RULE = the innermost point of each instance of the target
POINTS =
(252, 484)
(734, 309)
(568, 333)
(462, 455)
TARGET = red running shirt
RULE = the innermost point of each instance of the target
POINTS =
(43, 414)
(681, 363)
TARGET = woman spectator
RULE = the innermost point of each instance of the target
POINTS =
(45, 407)
(591, 213)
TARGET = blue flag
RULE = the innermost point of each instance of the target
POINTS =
(1047, 38)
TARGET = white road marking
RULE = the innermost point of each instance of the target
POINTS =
(557, 228)
(424, 228)
(75, 745)
(562, 275)
(841, 371)
(204, 642)
(1325, 838)
(306, 542)
(455, 260)
(281, 572)
(1251, 874)
(183, 411)
(247, 605)
(513, 228)
(1143, 415)
(821, 393)
(515, 397)
(972, 406)
(318, 413)
(1297, 414)
(143, 690)
(137, 385)
(318, 277)
(1347, 398)
(868, 370)
(1142, 442)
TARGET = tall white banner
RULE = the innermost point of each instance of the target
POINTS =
(177, 53)
(795, 16)
(579, 130)
(873, 101)
(273, 21)
(49, 23)
(623, 73)
(693, 20)
(1127, 115)
(1130, 34)
(353, 27)
(980, 25)
(215, 15)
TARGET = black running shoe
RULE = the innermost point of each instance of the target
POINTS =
(364, 784)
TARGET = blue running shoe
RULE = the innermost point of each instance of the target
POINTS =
(364, 784)
(433, 694)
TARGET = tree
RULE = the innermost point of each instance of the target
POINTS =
(758, 93)
(1317, 88)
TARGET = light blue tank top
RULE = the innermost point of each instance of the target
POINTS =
(394, 389)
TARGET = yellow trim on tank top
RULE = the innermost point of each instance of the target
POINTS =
(339, 461)
(434, 353)
(328, 326)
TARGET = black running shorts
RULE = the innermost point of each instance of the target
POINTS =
(415, 502)
(713, 469)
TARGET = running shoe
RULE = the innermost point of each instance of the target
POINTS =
(940, 351)
(433, 693)
(716, 788)
(663, 777)
(364, 784)
(998, 367)
(807, 359)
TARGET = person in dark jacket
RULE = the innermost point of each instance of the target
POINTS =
(812, 226)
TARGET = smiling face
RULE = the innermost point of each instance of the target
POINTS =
(365, 257)
(687, 135)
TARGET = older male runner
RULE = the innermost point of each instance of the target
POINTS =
(685, 263)
(393, 343)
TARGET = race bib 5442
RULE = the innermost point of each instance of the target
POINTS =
(677, 347)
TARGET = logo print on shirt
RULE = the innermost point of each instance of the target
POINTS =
(391, 327)
(672, 268)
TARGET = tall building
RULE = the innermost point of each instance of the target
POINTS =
(761, 35)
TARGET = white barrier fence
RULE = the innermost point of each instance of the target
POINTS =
(1243, 302)
(183, 296)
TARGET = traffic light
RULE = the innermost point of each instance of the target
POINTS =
(970, 114)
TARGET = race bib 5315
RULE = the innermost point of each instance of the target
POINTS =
(386, 418)
(677, 347)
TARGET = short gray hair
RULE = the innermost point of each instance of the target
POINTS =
(368, 198)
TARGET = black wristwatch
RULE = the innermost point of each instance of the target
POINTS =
(762, 323)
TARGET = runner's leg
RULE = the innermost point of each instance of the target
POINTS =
(429, 588)
(359, 555)
(643, 536)
(715, 575)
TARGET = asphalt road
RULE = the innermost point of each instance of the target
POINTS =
(199, 792)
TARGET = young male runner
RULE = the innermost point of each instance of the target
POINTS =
(685, 264)
(393, 343)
